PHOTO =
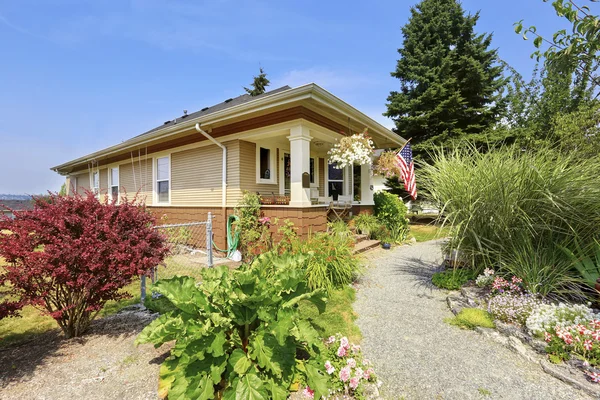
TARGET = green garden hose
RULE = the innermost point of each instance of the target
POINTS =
(232, 240)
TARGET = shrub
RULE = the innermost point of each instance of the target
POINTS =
(238, 334)
(367, 224)
(71, 254)
(547, 317)
(494, 200)
(346, 368)
(513, 307)
(339, 228)
(254, 234)
(470, 318)
(331, 263)
(452, 279)
(391, 211)
(586, 262)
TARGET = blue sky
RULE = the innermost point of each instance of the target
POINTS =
(80, 75)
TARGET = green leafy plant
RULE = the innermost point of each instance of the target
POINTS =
(470, 318)
(452, 279)
(366, 224)
(391, 212)
(238, 334)
(255, 237)
(330, 264)
(339, 228)
(587, 263)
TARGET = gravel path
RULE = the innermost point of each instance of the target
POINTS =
(418, 356)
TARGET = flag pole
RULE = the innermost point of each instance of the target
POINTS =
(402, 148)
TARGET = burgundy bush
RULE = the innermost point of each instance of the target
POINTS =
(70, 255)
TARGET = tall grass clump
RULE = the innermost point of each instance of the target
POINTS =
(511, 208)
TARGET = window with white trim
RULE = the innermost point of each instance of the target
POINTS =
(163, 177)
(114, 183)
(335, 178)
(96, 183)
(265, 165)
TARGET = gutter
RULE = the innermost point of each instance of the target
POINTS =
(206, 135)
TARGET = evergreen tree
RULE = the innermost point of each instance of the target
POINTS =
(450, 81)
(259, 84)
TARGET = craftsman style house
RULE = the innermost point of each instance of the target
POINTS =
(275, 144)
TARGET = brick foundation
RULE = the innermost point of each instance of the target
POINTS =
(306, 220)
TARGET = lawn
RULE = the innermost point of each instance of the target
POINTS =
(423, 233)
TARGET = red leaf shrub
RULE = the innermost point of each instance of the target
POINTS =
(70, 255)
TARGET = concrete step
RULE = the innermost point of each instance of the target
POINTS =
(360, 238)
(366, 245)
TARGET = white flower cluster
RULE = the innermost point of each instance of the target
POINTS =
(485, 279)
(546, 317)
(356, 149)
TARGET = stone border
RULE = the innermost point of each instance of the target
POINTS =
(515, 339)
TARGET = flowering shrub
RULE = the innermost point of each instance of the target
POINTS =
(348, 371)
(71, 254)
(513, 307)
(485, 279)
(355, 149)
(546, 317)
(501, 285)
(582, 340)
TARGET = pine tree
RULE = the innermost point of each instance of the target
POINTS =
(450, 81)
(259, 84)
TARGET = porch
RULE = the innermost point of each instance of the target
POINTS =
(291, 168)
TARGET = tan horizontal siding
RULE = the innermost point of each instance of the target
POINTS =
(83, 182)
(248, 170)
(136, 179)
(196, 176)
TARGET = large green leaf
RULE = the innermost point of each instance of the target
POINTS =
(250, 387)
(317, 380)
(183, 293)
(217, 347)
(170, 370)
(278, 392)
(317, 297)
(239, 361)
(284, 324)
(163, 329)
(200, 388)
(270, 355)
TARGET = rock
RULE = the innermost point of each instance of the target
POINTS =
(456, 304)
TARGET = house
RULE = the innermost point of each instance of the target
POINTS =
(8, 206)
(203, 161)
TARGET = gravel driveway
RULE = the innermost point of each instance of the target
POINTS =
(418, 356)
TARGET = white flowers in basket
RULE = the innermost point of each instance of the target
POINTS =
(352, 150)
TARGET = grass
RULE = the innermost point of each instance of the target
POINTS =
(452, 279)
(469, 318)
(338, 317)
(423, 233)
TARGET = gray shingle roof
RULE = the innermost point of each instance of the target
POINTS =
(16, 205)
(217, 107)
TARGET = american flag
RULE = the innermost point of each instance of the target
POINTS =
(407, 170)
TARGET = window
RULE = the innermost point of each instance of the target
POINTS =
(73, 188)
(312, 170)
(265, 163)
(335, 180)
(114, 183)
(96, 182)
(163, 172)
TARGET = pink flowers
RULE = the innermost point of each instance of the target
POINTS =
(354, 382)
(308, 393)
(587, 345)
(351, 363)
(596, 335)
(330, 340)
(344, 342)
(501, 285)
(345, 374)
(341, 351)
(547, 337)
(355, 348)
(594, 376)
(264, 220)
(329, 368)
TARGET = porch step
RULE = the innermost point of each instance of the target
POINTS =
(366, 245)
(360, 238)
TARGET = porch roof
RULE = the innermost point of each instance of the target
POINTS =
(243, 107)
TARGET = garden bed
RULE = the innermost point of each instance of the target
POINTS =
(522, 342)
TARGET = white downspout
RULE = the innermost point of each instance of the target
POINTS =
(206, 135)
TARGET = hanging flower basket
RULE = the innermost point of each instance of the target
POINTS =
(352, 150)
(387, 165)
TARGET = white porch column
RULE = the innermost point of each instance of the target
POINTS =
(366, 185)
(300, 162)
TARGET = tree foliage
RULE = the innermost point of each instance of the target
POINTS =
(239, 334)
(71, 254)
(259, 84)
(575, 52)
(450, 81)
